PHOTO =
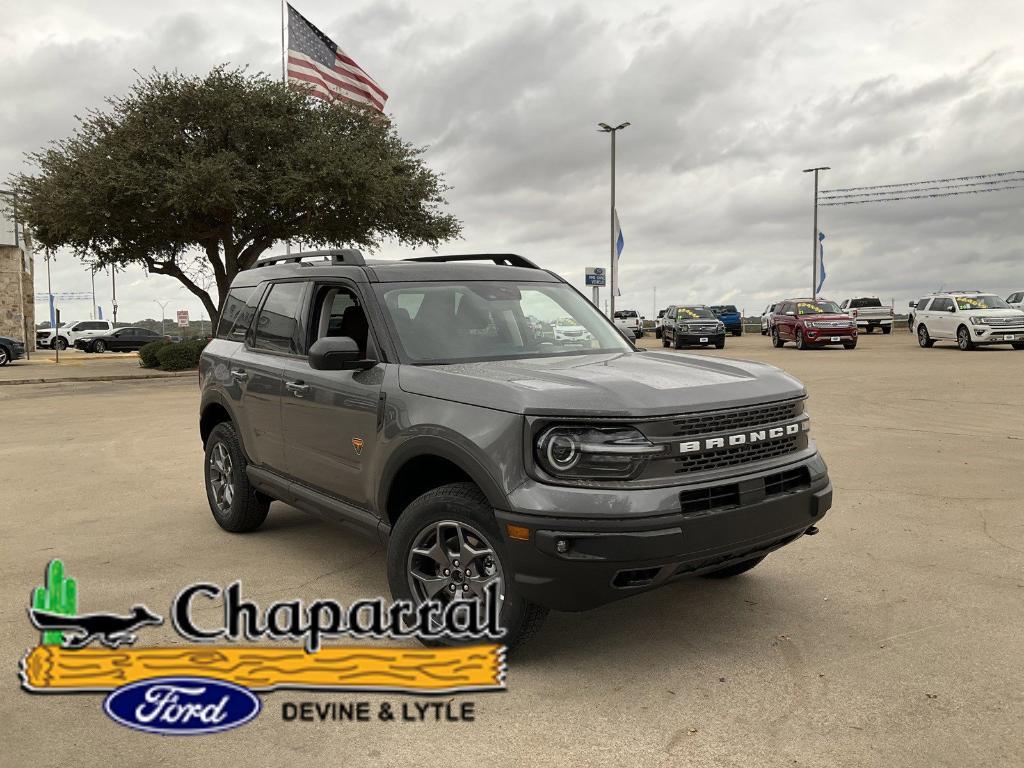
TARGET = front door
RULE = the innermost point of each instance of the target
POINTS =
(330, 418)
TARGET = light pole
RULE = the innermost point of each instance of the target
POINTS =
(92, 275)
(605, 128)
(814, 233)
(113, 289)
(163, 315)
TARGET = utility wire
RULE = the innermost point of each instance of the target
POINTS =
(925, 189)
(930, 181)
(922, 197)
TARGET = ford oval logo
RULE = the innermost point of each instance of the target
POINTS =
(182, 705)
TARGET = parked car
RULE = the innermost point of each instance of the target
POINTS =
(970, 318)
(812, 323)
(566, 329)
(1016, 300)
(766, 319)
(692, 326)
(121, 340)
(10, 350)
(869, 313)
(69, 333)
(659, 323)
(630, 318)
(730, 317)
(542, 475)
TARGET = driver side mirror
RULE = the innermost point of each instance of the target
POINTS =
(951, 308)
(791, 314)
(912, 304)
(337, 353)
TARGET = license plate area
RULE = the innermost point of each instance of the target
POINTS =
(703, 339)
(835, 338)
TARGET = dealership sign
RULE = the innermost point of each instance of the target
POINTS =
(596, 276)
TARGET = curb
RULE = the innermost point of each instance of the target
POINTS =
(111, 377)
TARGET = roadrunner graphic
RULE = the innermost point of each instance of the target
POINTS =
(110, 629)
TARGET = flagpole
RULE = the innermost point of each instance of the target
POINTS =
(284, 74)
(613, 289)
(814, 233)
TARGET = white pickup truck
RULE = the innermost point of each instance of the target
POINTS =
(630, 318)
(69, 333)
(869, 313)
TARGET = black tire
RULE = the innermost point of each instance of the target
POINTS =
(720, 344)
(849, 345)
(870, 328)
(735, 569)
(1018, 345)
(5, 356)
(639, 333)
(99, 346)
(764, 331)
(60, 344)
(657, 333)
(464, 504)
(247, 508)
(777, 341)
(677, 343)
(886, 330)
(738, 333)
(963, 339)
(664, 340)
(800, 339)
(923, 339)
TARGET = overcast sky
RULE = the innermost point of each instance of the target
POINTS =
(728, 102)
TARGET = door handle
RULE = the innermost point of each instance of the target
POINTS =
(238, 374)
(297, 388)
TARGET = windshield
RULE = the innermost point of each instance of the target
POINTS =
(817, 308)
(688, 313)
(860, 303)
(473, 321)
(981, 302)
(626, 313)
(725, 309)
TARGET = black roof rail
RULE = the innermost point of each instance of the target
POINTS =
(501, 259)
(350, 256)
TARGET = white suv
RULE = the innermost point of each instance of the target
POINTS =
(969, 318)
(69, 333)
(1016, 300)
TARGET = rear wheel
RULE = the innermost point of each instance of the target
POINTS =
(923, 338)
(776, 341)
(236, 505)
(446, 547)
(963, 339)
(870, 328)
(886, 329)
(735, 569)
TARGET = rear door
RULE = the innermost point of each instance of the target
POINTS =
(940, 318)
(331, 418)
(257, 369)
(785, 320)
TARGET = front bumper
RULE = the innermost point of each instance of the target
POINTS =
(694, 339)
(42, 343)
(825, 336)
(17, 352)
(608, 558)
(984, 334)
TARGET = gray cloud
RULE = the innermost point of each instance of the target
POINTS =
(728, 104)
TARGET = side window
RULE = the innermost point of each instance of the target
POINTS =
(337, 311)
(844, 304)
(922, 305)
(278, 323)
(234, 316)
(941, 305)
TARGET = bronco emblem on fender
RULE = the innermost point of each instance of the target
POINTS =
(357, 444)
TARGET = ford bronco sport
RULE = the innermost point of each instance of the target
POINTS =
(411, 399)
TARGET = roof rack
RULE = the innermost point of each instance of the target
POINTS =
(351, 256)
(501, 259)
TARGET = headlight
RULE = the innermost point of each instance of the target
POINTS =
(594, 453)
(720, 327)
(978, 320)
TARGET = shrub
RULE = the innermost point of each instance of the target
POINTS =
(147, 355)
(180, 357)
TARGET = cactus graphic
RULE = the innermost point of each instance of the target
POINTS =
(60, 595)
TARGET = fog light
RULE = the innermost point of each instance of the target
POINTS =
(517, 532)
(561, 546)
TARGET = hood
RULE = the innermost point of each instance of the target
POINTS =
(619, 384)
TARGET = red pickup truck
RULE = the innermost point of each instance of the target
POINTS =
(812, 323)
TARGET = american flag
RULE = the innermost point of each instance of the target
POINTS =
(316, 63)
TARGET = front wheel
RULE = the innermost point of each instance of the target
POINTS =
(849, 345)
(5, 357)
(60, 344)
(677, 343)
(800, 343)
(963, 339)
(735, 569)
(1018, 345)
(657, 333)
(236, 505)
(720, 344)
(99, 346)
(923, 339)
(446, 547)
(664, 340)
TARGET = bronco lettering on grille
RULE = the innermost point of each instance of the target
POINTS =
(740, 438)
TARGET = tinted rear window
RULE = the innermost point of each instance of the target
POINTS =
(234, 316)
(859, 303)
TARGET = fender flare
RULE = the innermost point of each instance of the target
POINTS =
(434, 445)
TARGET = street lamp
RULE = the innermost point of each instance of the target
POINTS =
(605, 128)
(814, 233)
(163, 318)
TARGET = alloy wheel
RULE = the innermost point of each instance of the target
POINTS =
(3, 356)
(922, 336)
(221, 478)
(450, 560)
(963, 339)
(99, 346)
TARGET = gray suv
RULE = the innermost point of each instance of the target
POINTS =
(429, 403)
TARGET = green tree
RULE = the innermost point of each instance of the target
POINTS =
(195, 177)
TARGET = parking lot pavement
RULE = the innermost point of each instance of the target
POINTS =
(45, 367)
(893, 638)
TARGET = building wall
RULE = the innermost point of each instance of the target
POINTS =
(17, 302)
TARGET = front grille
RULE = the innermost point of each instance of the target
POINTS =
(790, 480)
(703, 328)
(735, 418)
(830, 324)
(1004, 322)
(707, 499)
(737, 454)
